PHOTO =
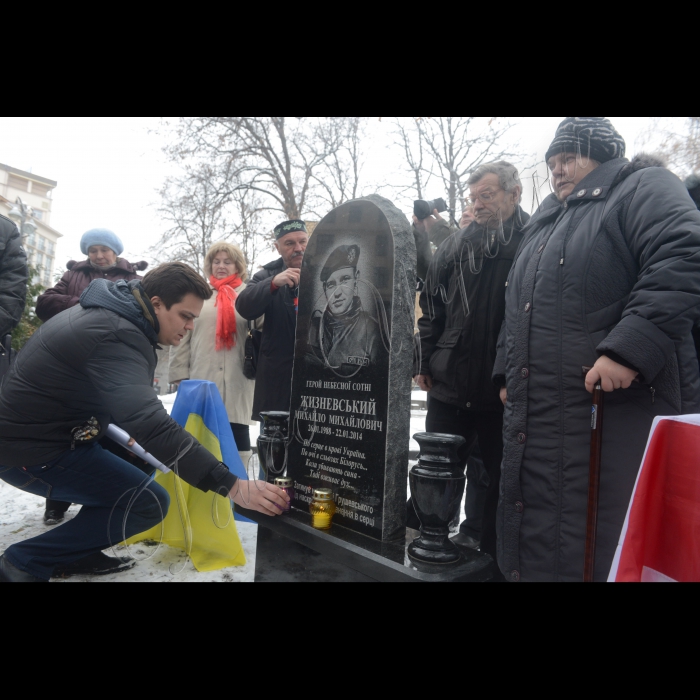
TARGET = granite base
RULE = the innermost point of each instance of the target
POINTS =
(290, 550)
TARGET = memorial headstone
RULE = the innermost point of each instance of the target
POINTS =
(351, 395)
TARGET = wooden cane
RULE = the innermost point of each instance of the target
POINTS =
(597, 415)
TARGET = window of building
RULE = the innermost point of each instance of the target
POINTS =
(31, 239)
(39, 189)
(39, 259)
(47, 279)
(18, 183)
(42, 243)
(51, 248)
(38, 214)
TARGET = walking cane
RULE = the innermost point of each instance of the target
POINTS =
(597, 415)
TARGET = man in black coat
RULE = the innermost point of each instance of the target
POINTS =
(274, 293)
(608, 277)
(13, 277)
(463, 305)
(87, 368)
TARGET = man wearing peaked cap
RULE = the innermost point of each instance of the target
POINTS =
(274, 293)
(344, 338)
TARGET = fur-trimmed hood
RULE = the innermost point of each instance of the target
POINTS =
(640, 162)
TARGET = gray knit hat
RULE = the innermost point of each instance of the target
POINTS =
(592, 137)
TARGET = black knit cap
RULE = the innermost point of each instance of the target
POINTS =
(294, 226)
(591, 137)
(347, 256)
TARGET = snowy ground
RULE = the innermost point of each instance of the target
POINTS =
(21, 518)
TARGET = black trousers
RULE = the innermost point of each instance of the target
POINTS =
(486, 429)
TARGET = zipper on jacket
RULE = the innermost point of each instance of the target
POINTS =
(653, 395)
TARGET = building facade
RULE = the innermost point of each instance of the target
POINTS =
(35, 192)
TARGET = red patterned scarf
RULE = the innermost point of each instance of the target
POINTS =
(226, 303)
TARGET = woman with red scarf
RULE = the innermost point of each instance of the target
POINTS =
(215, 350)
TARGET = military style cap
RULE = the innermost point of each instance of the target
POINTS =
(294, 226)
(341, 258)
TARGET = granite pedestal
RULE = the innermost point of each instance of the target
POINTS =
(291, 551)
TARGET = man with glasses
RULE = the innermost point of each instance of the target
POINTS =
(463, 305)
(13, 286)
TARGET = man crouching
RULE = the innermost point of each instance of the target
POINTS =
(88, 367)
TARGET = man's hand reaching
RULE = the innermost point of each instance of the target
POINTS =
(427, 225)
(288, 278)
(260, 496)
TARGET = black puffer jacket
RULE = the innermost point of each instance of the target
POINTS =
(616, 272)
(463, 306)
(273, 385)
(13, 277)
(95, 362)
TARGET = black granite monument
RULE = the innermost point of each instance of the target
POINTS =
(349, 429)
(350, 413)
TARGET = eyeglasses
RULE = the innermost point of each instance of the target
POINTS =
(484, 198)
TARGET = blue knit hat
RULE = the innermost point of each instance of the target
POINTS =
(101, 236)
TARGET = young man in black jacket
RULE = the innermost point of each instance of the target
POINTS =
(463, 307)
(13, 279)
(91, 366)
(274, 293)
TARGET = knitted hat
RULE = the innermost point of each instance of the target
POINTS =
(101, 236)
(295, 226)
(591, 137)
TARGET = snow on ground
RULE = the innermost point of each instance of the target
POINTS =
(21, 518)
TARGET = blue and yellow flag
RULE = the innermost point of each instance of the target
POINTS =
(200, 523)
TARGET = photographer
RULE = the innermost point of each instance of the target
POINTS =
(14, 276)
(463, 307)
(432, 230)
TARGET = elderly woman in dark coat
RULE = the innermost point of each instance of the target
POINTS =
(102, 248)
(608, 276)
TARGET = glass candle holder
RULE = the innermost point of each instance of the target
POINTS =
(287, 485)
(322, 509)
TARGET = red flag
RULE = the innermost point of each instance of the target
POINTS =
(661, 538)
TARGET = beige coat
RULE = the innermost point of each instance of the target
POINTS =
(197, 358)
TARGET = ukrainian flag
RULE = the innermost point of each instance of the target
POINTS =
(202, 524)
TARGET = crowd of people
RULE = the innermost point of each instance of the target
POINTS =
(521, 318)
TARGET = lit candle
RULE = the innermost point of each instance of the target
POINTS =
(322, 509)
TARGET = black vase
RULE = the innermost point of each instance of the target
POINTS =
(272, 444)
(437, 488)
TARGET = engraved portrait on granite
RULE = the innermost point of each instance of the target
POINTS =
(349, 331)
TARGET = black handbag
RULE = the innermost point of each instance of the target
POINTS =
(252, 351)
(5, 354)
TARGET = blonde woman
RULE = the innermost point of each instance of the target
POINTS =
(215, 350)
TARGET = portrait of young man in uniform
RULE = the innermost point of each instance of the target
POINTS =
(344, 338)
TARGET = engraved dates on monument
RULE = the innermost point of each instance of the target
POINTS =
(353, 364)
